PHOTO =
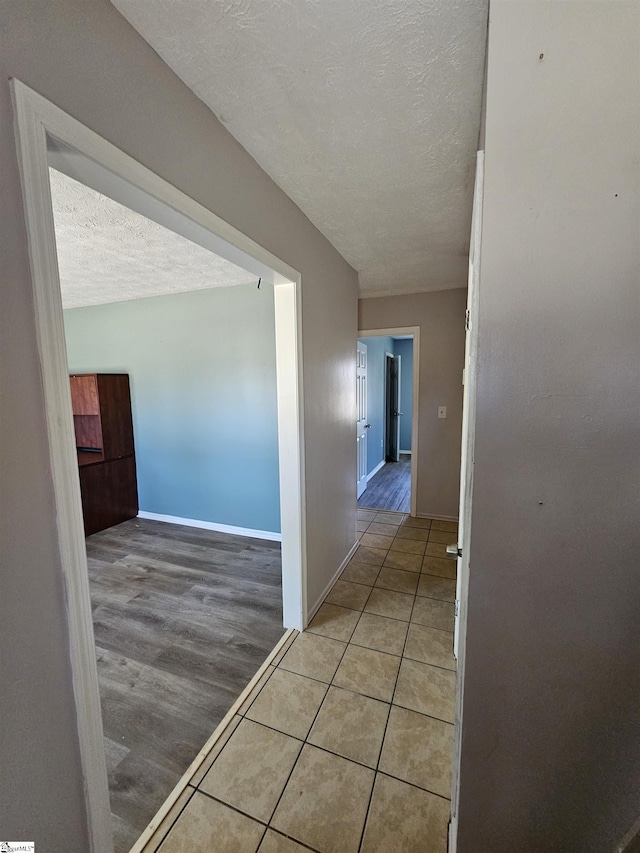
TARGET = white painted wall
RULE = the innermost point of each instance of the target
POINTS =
(85, 58)
(551, 733)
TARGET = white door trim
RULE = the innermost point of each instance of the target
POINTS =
(466, 485)
(34, 119)
(415, 414)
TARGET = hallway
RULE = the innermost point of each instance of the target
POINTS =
(345, 743)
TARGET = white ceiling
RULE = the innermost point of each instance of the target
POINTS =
(109, 253)
(365, 112)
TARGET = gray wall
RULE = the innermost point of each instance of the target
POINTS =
(83, 56)
(202, 369)
(551, 732)
(440, 316)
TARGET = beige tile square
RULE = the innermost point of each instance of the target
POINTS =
(395, 605)
(430, 645)
(169, 819)
(325, 802)
(417, 522)
(314, 656)
(206, 826)
(444, 537)
(273, 842)
(383, 529)
(397, 580)
(284, 648)
(405, 819)
(419, 750)
(400, 560)
(367, 514)
(350, 725)
(374, 540)
(360, 573)
(391, 517)
(444, 568)
(289, 703)
(255, 690)
(433, 613)
(426, 689)
(252, 769)
(435, 549)
(433, 587)
(335, 622)
(353, 595)
(449, 526)
(361, 526)
(421, 534)
(380, 633)
(215, 751)
(372, 556)
(408, 546)
(368, 672)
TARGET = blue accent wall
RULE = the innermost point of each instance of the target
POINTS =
(203, 393)
(377, 348)
(405, 350)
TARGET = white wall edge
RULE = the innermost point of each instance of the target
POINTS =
(34, 118)
(378, 467)
(212, 525)
(332, 582)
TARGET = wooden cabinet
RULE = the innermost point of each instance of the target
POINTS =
(106, 456)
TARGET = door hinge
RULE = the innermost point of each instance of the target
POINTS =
(467, 320)
(456, 608)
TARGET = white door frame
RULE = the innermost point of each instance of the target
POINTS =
(466, 486)
(362, 401)
(415, 415)
(35, 118)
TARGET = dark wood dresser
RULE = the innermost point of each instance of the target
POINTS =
(106, 456)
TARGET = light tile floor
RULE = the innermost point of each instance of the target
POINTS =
(345, 744)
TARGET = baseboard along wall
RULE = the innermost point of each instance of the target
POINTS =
(213, 525)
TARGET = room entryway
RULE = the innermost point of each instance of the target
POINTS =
(390, 488)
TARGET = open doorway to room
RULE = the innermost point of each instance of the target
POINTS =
(386, 421)
(190, 595)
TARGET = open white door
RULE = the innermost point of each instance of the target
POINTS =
(466, 481)
(362, 425)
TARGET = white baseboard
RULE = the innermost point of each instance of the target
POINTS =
(437, 517)
(404, 452)
(213, 525)
(376, 469)
(312, 612)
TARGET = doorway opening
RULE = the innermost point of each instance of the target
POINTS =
(387, 429)
(47, 136)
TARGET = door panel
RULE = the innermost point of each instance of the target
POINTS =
(362, 426)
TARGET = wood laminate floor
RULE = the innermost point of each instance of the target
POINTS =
(183, 618)
(390, 488)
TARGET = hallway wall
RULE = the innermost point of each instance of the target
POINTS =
(551, 731)
(83, 56)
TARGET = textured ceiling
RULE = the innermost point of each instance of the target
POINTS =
(365, 112)
(108, 253)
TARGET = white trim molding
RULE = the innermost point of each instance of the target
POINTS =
(378, 467)
(251, 532)
(325, 592)
(405, 452)
(36, 120)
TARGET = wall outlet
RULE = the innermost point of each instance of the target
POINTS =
(442, 411)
